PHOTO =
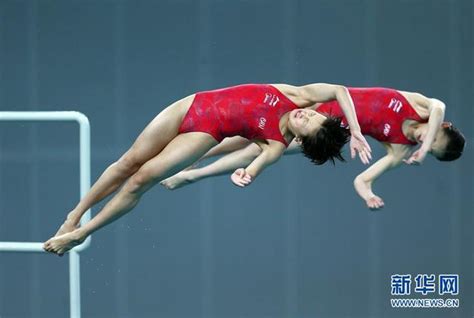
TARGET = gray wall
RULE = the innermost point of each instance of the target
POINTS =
(298, 242)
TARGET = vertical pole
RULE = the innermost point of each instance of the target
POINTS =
(85, 168)
(85, 161)
(74, 285)
(74, 259)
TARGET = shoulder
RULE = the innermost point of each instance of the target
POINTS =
(397, 152)
(414, 97)
(422, 104)
(286, 88)
(294, 93)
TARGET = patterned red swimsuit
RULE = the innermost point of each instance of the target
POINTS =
(252, 111)
(380, 112)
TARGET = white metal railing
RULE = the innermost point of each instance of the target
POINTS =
(85, 173)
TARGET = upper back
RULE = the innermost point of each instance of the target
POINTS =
(252, 111)
(381, 113)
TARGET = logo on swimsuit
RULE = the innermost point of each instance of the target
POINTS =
(261, 123)
(386, 129)
(395, 105)
(271, 99)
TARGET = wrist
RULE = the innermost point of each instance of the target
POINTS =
(356, 131)
(425, 147)
(369, 196)
(251, 172)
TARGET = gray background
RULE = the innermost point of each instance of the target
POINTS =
(298, 242)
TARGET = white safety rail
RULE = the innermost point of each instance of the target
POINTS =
(85, 172)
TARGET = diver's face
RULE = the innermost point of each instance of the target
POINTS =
(440, 142)
(304, 122)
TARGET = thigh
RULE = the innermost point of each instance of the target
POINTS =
(178, 154)
(159, 132)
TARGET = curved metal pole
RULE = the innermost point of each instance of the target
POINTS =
(85, 172)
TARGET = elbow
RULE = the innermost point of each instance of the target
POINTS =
(363, 186)
(359, 185)
(254, 150)
(341, 90)
(442, 106)
(438, 106)
(359, 181)
(363, 181)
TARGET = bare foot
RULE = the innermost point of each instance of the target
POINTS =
(66, 227)
(178, 180)
(63, 243)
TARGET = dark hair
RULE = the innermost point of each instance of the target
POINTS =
(327, 143)
(455, 144)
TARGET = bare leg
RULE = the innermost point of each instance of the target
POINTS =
(179, 153)
(224, 165)
(227, 145)
(159, 132)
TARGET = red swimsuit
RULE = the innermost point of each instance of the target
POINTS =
(252, 111)
(380, 112)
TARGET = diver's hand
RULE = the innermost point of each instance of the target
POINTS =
(375, 203)
(241, 178)
(359, 144)
(417, 157)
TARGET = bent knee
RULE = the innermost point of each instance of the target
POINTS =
(139, 182)
(128, 165)
(252, 151)
(255, 149)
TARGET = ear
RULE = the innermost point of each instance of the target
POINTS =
(298, 140)
(446, 124)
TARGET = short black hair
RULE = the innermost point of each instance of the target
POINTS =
(327, 143)
(455, 145)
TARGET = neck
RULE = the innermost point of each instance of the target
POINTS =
(285, 128)
(409, 127)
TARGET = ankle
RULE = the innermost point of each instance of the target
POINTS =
(79, 235)
(191, 176)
